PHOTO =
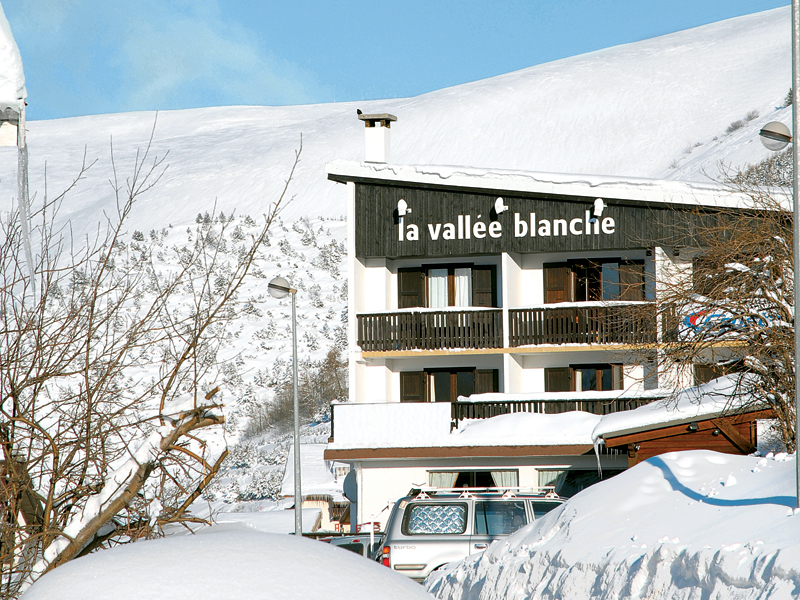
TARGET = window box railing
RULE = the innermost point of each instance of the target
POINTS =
(430, 330)
(617, 323)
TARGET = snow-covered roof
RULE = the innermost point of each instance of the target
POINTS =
(701, 402)
(621, 188)
(12, 79)
(427, 425)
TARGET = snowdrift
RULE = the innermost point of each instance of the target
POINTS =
(680, 526)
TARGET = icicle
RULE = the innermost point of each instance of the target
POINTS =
(598, 441)
(22, 185)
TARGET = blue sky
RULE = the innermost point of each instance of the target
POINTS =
(94, 56)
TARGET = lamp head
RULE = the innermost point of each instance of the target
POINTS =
(597, 210)
(500, 206)
(402, 208)
(775, 136)
(279, 288)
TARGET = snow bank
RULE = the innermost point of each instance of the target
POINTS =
(685, 525)
(12, 80)
(225, 563)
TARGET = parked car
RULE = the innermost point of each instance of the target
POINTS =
(428, 529)
(359, 543)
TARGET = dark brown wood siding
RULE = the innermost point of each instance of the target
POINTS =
(637, 224)
(558, 379)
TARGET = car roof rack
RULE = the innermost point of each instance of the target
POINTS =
(427, 492)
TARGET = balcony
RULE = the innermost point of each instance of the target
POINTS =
(606, 323)
(430, 330)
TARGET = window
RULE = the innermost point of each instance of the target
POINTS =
(474, 479)
(583, 378)
(499, 517)
(588, 280)
(446, 385)
(569, 482)
(442, 286)
(435, 518)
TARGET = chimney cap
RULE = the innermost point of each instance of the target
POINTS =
(385, 119)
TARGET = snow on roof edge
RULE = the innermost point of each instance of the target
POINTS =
(609, 187)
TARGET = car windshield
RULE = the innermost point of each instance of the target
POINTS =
(499, 518)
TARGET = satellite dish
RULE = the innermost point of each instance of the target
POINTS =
(350, 486)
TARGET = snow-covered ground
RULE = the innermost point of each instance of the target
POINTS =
(228, 562)
(680, 526)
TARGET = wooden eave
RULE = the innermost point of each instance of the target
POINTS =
(457, 452)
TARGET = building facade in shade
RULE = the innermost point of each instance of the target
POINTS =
(475, 289)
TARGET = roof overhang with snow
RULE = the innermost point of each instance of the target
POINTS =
(630, 189)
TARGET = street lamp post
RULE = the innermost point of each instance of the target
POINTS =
(777, 136)
(280, 288)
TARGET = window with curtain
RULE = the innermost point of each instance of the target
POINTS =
(442, 479)
(437, 288)
(505, 479)
(440, 286)
(462, 279)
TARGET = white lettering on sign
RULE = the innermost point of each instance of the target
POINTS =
(466, 228)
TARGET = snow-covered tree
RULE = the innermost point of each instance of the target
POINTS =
(105, 364)
(733, 310)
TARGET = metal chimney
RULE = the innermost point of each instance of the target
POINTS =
(376, 136)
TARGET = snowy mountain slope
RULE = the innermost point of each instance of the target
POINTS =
(648, 109)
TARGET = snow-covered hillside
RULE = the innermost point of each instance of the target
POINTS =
(681, 526)
(659, 108)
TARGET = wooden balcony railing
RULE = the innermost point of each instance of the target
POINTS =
(486, 410)
(431, 330)
(595, 324)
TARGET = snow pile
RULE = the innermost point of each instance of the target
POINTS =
(684, 525)
(12, 79)
(225, 563)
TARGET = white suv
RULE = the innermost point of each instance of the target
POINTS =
(428, 529)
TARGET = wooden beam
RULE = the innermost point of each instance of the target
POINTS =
(737, 439)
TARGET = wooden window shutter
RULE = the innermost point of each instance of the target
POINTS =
(412, 386)
(487, 381)
(558, 285)
(558, 379)
(631, 281)
(484, 286)
(410, 288)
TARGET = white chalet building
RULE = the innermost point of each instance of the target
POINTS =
(478, 292)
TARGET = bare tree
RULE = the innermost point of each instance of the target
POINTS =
(103, 358)
(732, 311)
